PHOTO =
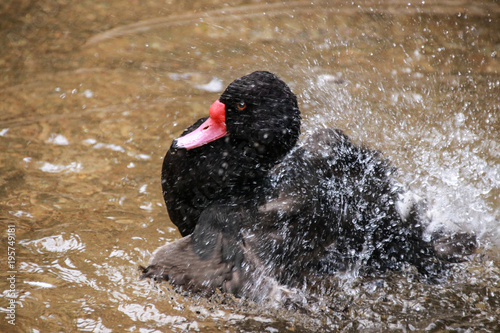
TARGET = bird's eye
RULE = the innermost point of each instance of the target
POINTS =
(241, 106)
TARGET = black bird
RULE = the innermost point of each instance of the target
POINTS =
(254, 205)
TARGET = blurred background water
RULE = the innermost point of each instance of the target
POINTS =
(92, 94)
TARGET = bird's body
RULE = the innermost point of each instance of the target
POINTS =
(247, 198)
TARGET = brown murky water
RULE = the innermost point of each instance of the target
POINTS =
(92, 93)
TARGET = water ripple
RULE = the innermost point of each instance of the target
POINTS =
(55, 243)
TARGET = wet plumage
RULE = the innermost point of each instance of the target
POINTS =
(251, 201)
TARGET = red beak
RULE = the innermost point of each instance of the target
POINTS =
(212, 129)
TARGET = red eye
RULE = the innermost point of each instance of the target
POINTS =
(241, 106)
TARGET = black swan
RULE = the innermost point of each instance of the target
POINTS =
(250, 201)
